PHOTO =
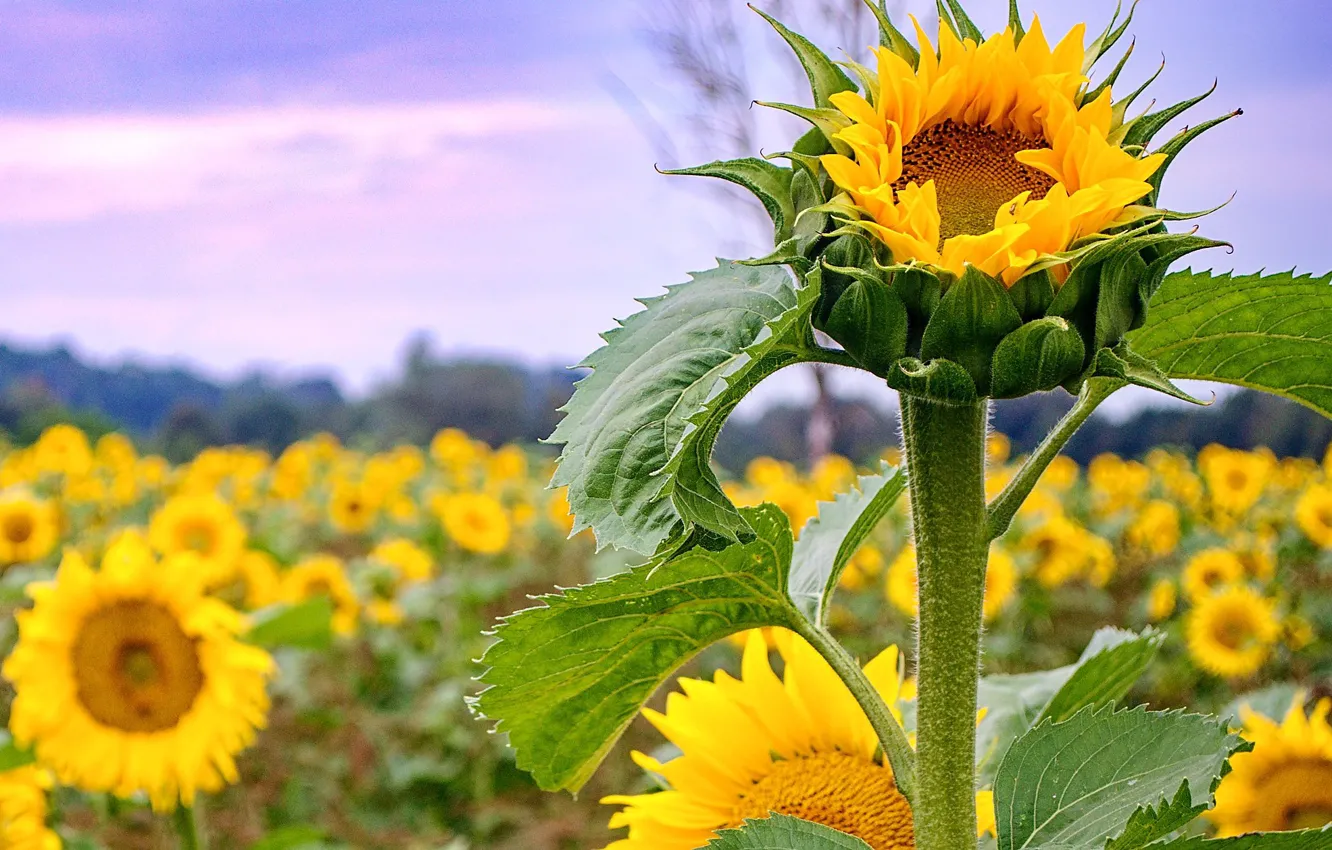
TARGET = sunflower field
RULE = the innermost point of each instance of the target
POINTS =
(277, 652)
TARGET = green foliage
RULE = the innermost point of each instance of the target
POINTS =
(586, 660)
(973, 316)
(1151, 823)
(1040, 355)
(825, 78)
(782, 832)
(1110, 664)
(12, 755)
(771, 184)
(940, 380)
(1304, 839)
(1078, 783)
(830, 539)
(638, 431)
(307, 625)
(1271, 333)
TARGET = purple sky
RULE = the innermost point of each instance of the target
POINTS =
(306, 184)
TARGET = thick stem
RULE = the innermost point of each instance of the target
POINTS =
(187, 829)
(1006, 504)
(890, 733)
(945, 456)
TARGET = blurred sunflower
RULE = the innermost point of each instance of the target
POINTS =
(1209, 570)
(1313, 514)
(63, 449)
(475, 521)
(1231, 632)
(29, 528)
(129, 679)
(1235, 479)
(865, 566)
(799, 745)
(202, 524)
(409, 562)
(985, 153)
(324, 575)
(23, 810)
(1155, 530)
(1059, 545)
(353, 506)
(258, 573)
(1285, 782)
(1161, 600)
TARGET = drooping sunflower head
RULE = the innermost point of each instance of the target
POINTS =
(1285, 781)
(130, 679)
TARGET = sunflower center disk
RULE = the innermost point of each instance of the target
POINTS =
(1299, 796)
(198, 537)
(135, 669)
(18, 528)
(845, 792)
(974, 173)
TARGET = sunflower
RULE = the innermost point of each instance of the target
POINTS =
(353, 506)
(63, 449)
(1231, 632)
(258, 572)
(1060, 547)
(1285, 782)
(799, 745)
(409, 562)
(324, 575)
(1208, 570)
(1161, 600)
(29, 529)
(865, 566)
(1155, 530)
(1235, 479)
(1313, 513)
(202, 524)
(475, 521)
(985, 154)
(130, 679)
(23, 810)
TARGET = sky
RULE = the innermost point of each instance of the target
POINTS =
(305, 184)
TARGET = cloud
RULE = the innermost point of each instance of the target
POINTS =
(73, 168)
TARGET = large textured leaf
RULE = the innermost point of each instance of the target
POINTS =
(829, 540)
(1304, 839)
(655, 389)
(782, 832)
(1151, 823)
(1270, 333)
(1076, 784)
(565, 679)
(1015, 703)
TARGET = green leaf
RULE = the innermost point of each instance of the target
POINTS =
(965, 25)
(783, 832)
(1014, 703)
(1304, 839)
(1271, 333)
(295, 837)
(12, 756)
(1141, 130)
(564, 679)
(829, 540)
(890, 36)
(306, 625)
(825, 78)
(1040, 355)
(1151, 823)
(1272, 702)
(974, 315)
(771, 184)
(1105, 673)
(1078, 783)
(638, 428)
(1123, 364)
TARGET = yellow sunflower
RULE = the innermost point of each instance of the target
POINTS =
(864, 567)
(353, 506)
(475, 521)
(1231, 632)
(1209, 570)
(29, 528)
(1285, 782)
(797, 745)
(410, 563)
(1313, 513)
(1155, 530)
(1235, 479)
(23, 810)
(130, 679)
(1161, 600)
(985, 153)
(202, 524)
(258, 572)
(324, 575)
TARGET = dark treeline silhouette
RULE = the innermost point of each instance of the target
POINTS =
(177, 412)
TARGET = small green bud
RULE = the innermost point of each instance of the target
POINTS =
(1038, 356)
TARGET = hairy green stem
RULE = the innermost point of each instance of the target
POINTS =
(187, 829)
(892, 737)
(1006, 504)
(945, 458)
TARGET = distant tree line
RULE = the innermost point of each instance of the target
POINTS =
(177, 412)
